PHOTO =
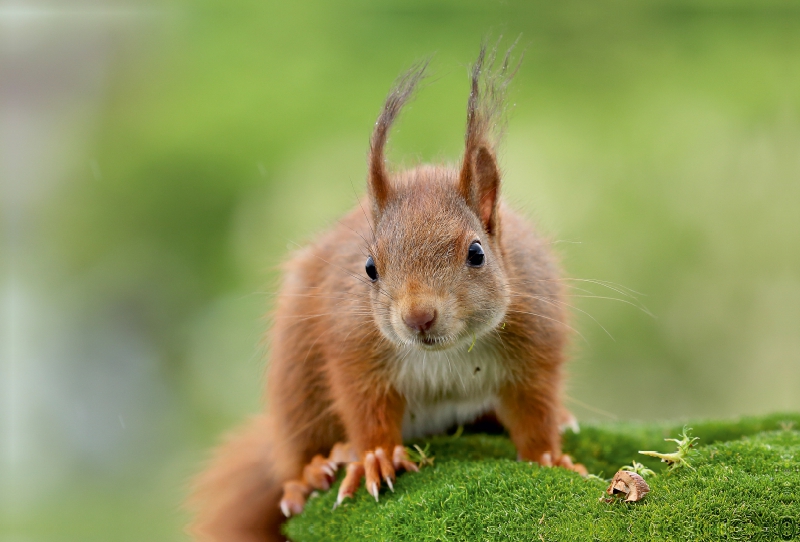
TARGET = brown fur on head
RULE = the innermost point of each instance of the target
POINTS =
(426, 220)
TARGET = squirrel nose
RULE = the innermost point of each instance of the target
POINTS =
(420, 319)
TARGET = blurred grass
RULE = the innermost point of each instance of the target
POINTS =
(656, 141)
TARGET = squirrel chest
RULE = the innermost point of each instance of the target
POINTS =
(447, 388)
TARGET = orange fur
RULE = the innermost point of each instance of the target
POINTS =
(339, 340)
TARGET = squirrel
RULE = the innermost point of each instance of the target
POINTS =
(429, 305)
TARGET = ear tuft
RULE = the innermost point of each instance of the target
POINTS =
(479, 180)
(378, 176)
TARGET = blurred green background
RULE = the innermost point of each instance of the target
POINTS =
(157, 160)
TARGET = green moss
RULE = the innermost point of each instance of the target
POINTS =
(746, 486)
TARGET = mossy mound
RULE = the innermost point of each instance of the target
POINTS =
(745, 486)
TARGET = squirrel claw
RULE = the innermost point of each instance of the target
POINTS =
(373, 490)
(375, 469)
(351, 481)
(294, 497)
(373, 465)
(319, 473)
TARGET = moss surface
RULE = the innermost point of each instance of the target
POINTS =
(745, 486)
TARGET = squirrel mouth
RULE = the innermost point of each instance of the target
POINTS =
(432, 343)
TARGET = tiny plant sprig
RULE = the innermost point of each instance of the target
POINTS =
(420, 456)
(474, 338)
(639, 469)
(473, 343)
(677, 459)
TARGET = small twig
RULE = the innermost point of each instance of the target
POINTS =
(420, 456)
(677, 459)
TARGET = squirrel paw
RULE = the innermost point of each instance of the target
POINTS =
(375, 466)
(294, 497)
(564, 461)
(318, 474)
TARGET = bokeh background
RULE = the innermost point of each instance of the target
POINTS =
(158, 160)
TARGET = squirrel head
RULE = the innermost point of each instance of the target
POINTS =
(435, 260)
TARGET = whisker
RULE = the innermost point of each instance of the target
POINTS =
(301, 319)
(639, 306)
(590, 407)
(341, 222)
(556, 302)
(619, 289)
(369, 222)
(552, 319)
(624, 290)
(351, 298)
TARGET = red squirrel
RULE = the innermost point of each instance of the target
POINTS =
(430, 304)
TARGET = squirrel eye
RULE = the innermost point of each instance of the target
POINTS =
(475, 256)
(372, 271)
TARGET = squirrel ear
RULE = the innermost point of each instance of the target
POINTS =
(378, 182)
(480, 186)
(479, 180)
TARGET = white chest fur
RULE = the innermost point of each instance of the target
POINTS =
(446, 388)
